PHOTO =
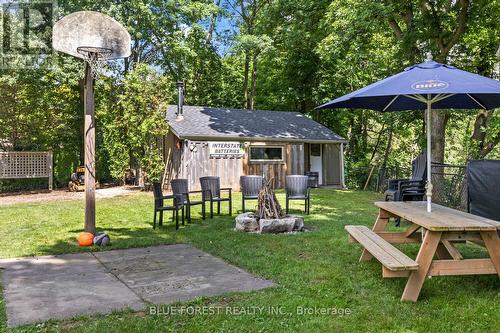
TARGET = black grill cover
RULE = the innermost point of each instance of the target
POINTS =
(483, 181)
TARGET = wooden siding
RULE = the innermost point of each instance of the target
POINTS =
(295, 159)
(293, 163)
(191, 160)
(168, 152)
(196, 163)
(307, 158)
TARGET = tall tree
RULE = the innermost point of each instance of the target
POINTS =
(250, 41)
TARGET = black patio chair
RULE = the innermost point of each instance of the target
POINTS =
(250, 188)
(297, 188)
(409, 189)
(180, 187)
(211, 191)
(483, 188)
(160, 207)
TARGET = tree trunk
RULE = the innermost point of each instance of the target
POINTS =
(245, 80)
(140, 177)
(377, 143)
(213, 20)
(364, 120)
(350, 136)
(358, 133)
(125, 66)
(254, 79)
(438, 129)
(479, 135)
(388, 148)
(489, 147)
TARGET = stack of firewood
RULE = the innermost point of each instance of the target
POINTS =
(268, 206)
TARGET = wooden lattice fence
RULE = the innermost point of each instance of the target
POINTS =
(19, 165)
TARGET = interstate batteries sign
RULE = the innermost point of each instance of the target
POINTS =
(226, 149)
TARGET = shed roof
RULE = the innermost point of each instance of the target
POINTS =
(203, 123)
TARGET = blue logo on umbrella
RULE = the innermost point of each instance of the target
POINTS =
(429, 85)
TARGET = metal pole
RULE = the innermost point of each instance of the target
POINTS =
(89, 144)
(429, 171)
(180, 100)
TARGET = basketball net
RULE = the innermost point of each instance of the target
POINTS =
(95, 57)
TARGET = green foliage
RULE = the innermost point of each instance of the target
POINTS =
(132, 116)
(303, 53)
(367, 41)
(41, 111)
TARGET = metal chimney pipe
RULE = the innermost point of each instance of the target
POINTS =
(180, 100)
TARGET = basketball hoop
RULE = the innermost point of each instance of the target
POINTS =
(95, 38)
(95, 57)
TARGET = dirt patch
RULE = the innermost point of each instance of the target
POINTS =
(62, 194)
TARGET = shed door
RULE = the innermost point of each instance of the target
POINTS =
(316, 160)
(332, 164)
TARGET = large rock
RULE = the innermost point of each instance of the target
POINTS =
(247, 222)
(299, 222)
(275, 226)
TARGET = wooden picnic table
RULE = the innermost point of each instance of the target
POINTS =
(438, 232)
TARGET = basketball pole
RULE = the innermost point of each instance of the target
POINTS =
(102, 39)
(89, 145)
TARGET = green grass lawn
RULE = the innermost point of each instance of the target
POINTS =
(316, 269)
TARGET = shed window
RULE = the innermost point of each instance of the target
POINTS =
(315, 149)
(266, 153)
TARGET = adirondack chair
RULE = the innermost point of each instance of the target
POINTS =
(297, 188)
(211, 191)
(250, 188)
(483, 188)
(160, 207)
(180, 187)
(409, 189)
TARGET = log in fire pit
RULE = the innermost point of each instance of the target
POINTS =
(269, 217)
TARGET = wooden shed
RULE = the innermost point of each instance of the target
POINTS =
(229, 143)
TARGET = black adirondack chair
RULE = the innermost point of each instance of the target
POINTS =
(483, 189)
(250, 188)
(297, 188)
(409, 189)
(180, 187)
(211, 191)
(160, 207)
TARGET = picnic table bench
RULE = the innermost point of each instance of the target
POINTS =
(438, 232)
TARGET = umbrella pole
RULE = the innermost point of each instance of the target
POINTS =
(429, 171)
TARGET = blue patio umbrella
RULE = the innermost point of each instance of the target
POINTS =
(423, 87)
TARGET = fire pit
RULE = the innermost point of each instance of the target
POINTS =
(269, 217)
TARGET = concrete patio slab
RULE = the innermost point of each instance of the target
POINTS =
(166, 274)
(56, 287)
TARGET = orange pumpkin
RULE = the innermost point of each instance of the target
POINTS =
(85, 239)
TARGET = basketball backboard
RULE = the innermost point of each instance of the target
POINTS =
(90, 29)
